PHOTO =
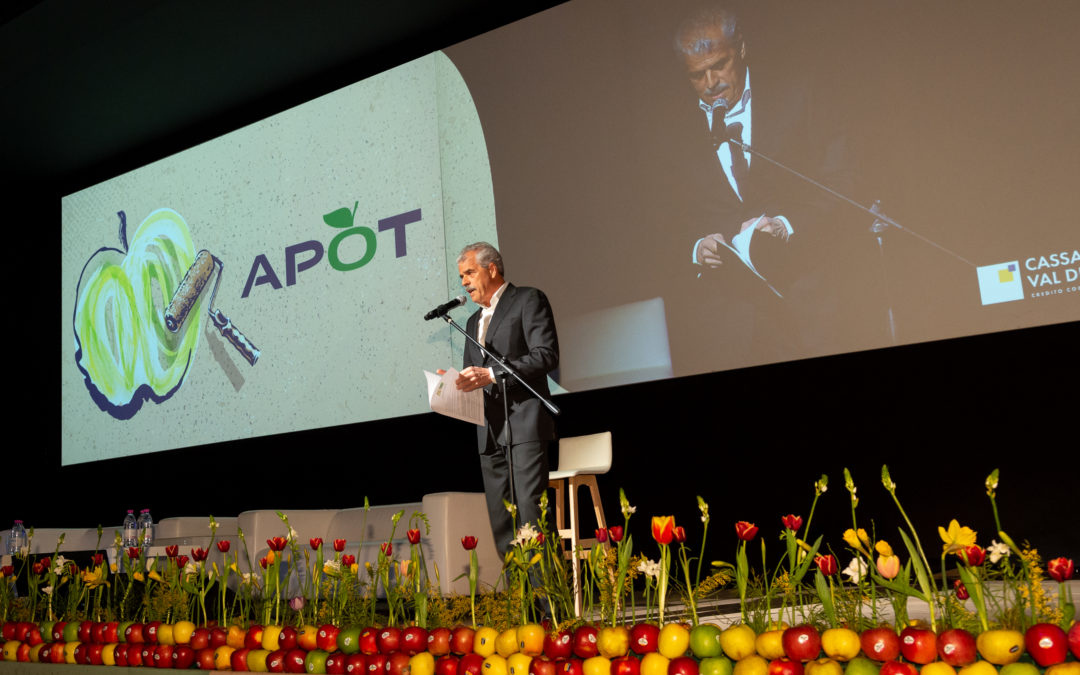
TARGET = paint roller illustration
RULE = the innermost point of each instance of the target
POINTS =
(188, 293)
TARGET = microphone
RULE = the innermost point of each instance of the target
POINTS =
(446, 307)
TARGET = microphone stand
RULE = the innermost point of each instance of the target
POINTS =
(506, 371)
(878, 227)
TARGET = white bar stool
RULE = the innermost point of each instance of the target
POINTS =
(581, 459)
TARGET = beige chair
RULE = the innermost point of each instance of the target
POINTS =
(581, 459)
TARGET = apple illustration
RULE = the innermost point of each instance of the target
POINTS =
(918, 645)
(118, 325)
(956, 647)
(881, 643)
(1046, 643)
(801, 643)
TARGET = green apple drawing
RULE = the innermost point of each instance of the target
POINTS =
(122, 345)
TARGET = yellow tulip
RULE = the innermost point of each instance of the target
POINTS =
(956, 538)
(883, 548)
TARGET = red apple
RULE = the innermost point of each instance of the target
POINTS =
(287, 638)
(356, 664)
(112, 632)
(85, 630)
(204, 658)
(898, 668)
(253, 637)
(687, 665)
(183, 656)
(79, 653)
(956, 647)
(644, 638)
(22, 653)
(1046, 643)
(571, 666)
(335, 663)
(414, 640)
(584, 642)
(134, 655)
(447, 664)
(1074, 640)
(438, 641)
(461, 640)
(238, 659)
(8, 631)
(559, 645)
(200, 638)
(294, 660)
(275, 661)
(326, 638)
(97, 632)
(133, 634)
(163, 656)
(785, 666)
(219, 637)
(376, 664)
(918, 645)
(625, 665)
(146, 653)
(541, 665)
(801, 643)
(389, 640)
(471, 664)
(397, 663)
(881, 643)
(57, 632)
(93, 654)
(150, 632)
(120, 652)
(33, 636)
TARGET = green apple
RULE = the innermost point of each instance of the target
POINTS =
(705, 641)
(716, 665)
(860, 665)
(1019, 668)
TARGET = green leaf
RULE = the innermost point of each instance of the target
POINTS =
(920, 570)
(825, 596)
(807, 561)
(341, 218)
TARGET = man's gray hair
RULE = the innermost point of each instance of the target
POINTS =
(485, 255)
(691, 38)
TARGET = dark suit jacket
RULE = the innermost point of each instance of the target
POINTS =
(522, 329)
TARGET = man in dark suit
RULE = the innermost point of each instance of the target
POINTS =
(518, 324)
(794, 235)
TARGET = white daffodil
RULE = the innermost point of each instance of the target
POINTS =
(332, 567)
(650, 568)
(47, 590)
(525, 535)
(855, 569)
(59, 564)
(997, 550)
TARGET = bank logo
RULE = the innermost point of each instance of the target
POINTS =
(1001, 282)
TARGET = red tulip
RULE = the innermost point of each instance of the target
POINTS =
(468, 543)
(97, 559)
(680, 534)
(264, 562)
(7, 571)
(1060, 569)
(601, 535)
(827, 564)
(792, 522)
(348, 560)
(172, 550)
(616, 533)
(339, 545)
(961, 590)
(746, 531)
(539, 537)
(181, 561)
(276, 543)
(199, 554)
(414, 536)
(663, 529)
(223, 546)
(315, 543)
(972, 555)
(133, 552)
(387, 548)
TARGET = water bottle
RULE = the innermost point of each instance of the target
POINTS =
(17, 538)
(146, 529)
(131, 535)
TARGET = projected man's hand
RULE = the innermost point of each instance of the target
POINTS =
(708, 250)
(773, 226)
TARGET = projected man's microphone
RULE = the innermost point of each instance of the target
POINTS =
(187, 294)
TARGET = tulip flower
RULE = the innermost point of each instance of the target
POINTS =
(827, 564)
(679, 533)
(98, 559)
(348, 560)
(663, 529)
(616, 533)
(468, 543)
(181, 561)
(172, 550)
(746, 531)
(133, 552)
(961, 590)
(1060, 569)
(315, 543)
(264, 563)
(7, 571)
(387, 548)
(277, 543)
(339, 545)
(414, 536)
(539, 537)
(601, 535)
(223, 546)
(972, 555)
(857, 539)
(792, 522)
(199, 554)
(888, 566)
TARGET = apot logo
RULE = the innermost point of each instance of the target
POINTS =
(1001, 282)
(262, 272)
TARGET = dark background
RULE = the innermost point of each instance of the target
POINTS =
(92, 91)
